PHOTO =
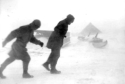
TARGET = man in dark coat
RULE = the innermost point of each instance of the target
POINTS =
(55, 43)
(23, 35)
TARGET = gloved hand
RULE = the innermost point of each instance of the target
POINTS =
(64, 36)
(41, 44)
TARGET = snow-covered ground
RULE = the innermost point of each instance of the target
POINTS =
(80, 63)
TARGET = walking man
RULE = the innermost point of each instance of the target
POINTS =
(23, 35)
(55, 43)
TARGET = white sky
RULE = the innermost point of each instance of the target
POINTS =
(104, 14)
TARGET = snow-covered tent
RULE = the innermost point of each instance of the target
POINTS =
(90, 29)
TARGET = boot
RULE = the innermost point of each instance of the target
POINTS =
(4, 65)
(54, 71)
(53, 68)
(27, 75)
(1, 75)
(46, 66)
(25, 68)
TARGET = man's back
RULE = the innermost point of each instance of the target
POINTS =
(24, 34)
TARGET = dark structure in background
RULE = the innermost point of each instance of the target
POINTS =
(47, 33)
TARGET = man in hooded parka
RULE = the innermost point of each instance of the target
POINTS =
(55, 43)
(23, 35)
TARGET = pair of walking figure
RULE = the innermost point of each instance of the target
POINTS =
(24, 34)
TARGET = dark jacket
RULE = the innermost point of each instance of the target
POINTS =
(56, 38)
(23, 35)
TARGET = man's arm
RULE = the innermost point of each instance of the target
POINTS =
(13, 34)
(35, 41)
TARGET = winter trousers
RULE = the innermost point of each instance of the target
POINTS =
(53, 58)
(11, 59)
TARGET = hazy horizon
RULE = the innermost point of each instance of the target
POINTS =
(106, 15)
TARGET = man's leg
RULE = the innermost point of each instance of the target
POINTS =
(5, 64)
(54, 59)
(46, 64)
(26, 61)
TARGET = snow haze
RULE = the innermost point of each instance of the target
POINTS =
(80, 62)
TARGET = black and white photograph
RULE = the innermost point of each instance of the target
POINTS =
(62, 41)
